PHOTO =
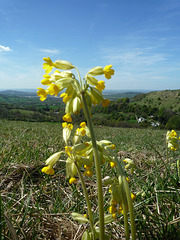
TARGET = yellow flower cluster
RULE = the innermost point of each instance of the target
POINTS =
(58, 81)
(116, 202)
(172, 140)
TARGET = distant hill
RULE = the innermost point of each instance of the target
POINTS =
(170, 99)
(30, 97)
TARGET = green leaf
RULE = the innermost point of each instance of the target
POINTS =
(86, 236)
(108, 219)
(80, 218)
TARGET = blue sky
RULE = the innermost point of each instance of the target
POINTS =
(140, 38)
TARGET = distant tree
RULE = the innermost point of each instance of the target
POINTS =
(165, 115)
(173, 123)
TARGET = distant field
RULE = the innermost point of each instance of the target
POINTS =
(39, 206)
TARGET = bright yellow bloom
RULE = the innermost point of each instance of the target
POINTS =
(127, 179)
(48, 170)
(83, 124)
(42, 94)
(108, 72)
(46, 80)
(48, 65)
(70, 126)
(72, 180)
(172, 140)
(64, 124)
(53, 89)
(65, 97)
(88, 173)
(133, 197)
(112, 164)
(100, 86)
(85, 215)
(82, 131)
(67, 117)
(112, 209)
(106, 102)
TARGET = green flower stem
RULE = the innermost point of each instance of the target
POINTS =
(125, 218)
(97, 166)
(129, 200)
(131, 211)
(87, 200)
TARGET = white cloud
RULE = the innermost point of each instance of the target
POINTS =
(5, 49)
(50, 51)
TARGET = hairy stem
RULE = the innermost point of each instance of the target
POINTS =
(87, 201)
(97, 166)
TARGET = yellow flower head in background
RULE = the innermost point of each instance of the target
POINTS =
(172, 140)
(72, 180)
(67, 117)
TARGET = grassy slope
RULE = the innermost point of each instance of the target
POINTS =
(170, 99)
(25, 146)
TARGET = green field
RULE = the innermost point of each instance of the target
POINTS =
(35, 206)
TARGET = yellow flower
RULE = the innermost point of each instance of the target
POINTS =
(88, 173)
(48, 65)
(112, 164)
(46, 80)
(70, 126)
(112, 209)
(42, 94)
(133, 197)
(83, 124)
(67, 117)
(48, 170)
(53, 89)
(106, 102)
(127, 179)
(82, 131)
(172, 140)
(100, 86)
(87, 167)
(108, 72)
(72, 180)
(65, 97)
(114, 215)
(64, 124)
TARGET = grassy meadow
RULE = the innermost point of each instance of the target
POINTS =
(37, 206)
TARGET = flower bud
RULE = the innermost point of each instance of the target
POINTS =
(96, 71)
(65, 65)
(91, 80)
(76, 105)
(53, 159)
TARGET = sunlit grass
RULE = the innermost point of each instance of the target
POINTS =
(35, 206)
